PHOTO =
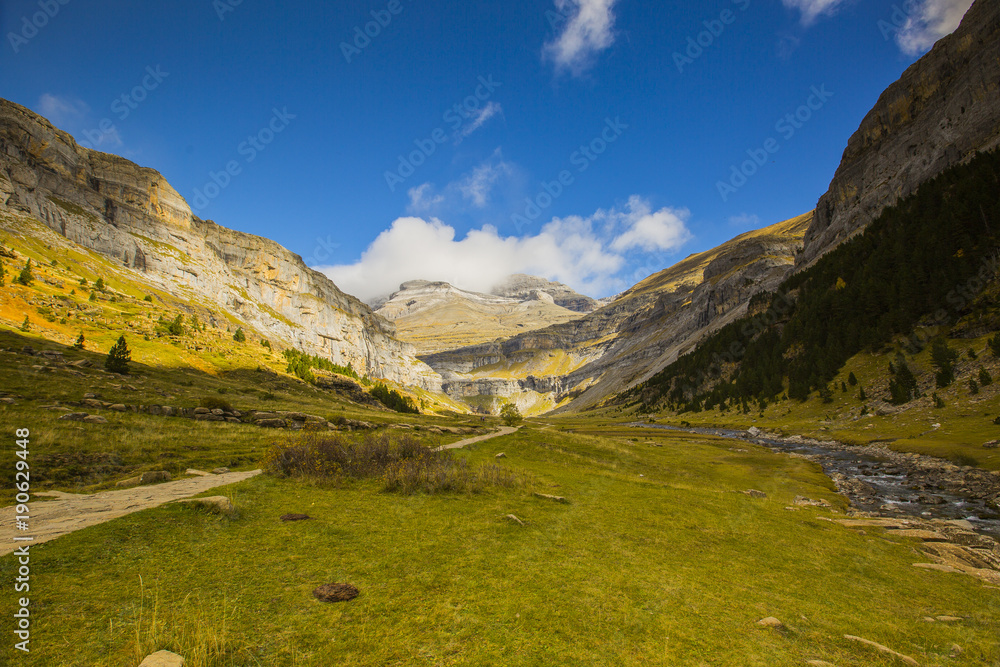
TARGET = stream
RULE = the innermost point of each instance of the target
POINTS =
(886, 483)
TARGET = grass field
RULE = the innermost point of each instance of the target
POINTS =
(657, 559)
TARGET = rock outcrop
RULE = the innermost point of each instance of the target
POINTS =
(132, 216)
(523, 287)
(943, 109)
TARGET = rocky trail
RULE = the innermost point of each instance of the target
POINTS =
(69, 512)
(504, 430)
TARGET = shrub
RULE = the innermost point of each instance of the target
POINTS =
(93, 295)
(26, 325)
(148, 298)
(215, 403)
(83, 282)
(265, 343)
(973, 387)
(985, 378)
(119, 358)
(239, 336)
(995, 345)
(176, 328)
(3, 275)
(404, 465)
(99, 285)
(938, 402)
(80, 342)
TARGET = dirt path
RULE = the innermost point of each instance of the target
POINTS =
(504, 430)
(70, 512)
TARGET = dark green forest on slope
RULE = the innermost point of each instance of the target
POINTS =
(923, 265)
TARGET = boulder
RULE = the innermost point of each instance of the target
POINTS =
(754, 493)
(91, 403)
(271, 423)
(335, 593)
(202, 411)
(154, 477)
(74, 417)
(771, 622)
(118, 407)
(220, 504)
(163, 659)
(94, 419)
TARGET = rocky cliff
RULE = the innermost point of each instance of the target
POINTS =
(942, 110)
(520, 286)
(133, 216)
(579, 363)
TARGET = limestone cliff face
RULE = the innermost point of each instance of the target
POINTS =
(943, 109)
(579, 363)
(131, 214)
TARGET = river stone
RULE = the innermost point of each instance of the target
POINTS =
(335, 593)
(162, 659)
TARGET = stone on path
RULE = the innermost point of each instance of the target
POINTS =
(884, 649)
(220, 471)
(335, 593)
(198, 473)
(162, 659)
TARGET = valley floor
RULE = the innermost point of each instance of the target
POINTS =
(658, 557)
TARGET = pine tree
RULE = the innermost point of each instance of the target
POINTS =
(99, 285)
(985, 378)
(26, 277)
(239, 336)
(80, 342)
(3, 274)
(852, 379)
(26, 325)
(119, 358)
(93, 295)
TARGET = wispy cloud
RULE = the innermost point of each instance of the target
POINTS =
(481, 117)
(813, 9)
(588, 30)
(747, 220)
(423, 199)
(73, 115)
(478, 185)
(588, 253)
(929, 22)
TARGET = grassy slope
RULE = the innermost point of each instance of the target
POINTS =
(655, 561)
(965, 423)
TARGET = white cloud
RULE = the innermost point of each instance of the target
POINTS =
(928, 22)
(664, 231)
(813, 9)
(481, 117)
(587, 253)
(589, 29)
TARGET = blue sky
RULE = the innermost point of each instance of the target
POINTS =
(581, 141)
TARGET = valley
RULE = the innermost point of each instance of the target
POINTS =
(783, 450)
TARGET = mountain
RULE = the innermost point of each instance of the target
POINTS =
(941, 111)
(436, 316)
(578, 363)
(520, 286)
(132, 216)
